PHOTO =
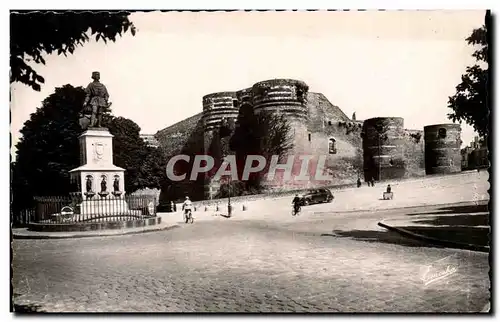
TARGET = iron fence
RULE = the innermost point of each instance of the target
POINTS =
(22, 218)
(96, 208)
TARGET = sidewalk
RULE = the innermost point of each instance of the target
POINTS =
(466, 187)
(24, 233)
(460, 226)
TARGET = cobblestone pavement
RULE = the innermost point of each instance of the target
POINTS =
(314, 263)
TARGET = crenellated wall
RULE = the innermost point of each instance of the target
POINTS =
(414, 153)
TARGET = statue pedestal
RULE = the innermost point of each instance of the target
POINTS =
(114, 206)
(99, 181)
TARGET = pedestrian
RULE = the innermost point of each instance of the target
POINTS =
(359, 182)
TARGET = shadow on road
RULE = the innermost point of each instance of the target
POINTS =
(463, 235)
(379, 237)
(483, 207)
(458, 220)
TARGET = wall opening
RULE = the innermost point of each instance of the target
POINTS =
(309, 137)
(235, 103)
(300, 95)
(442, 133)
(332, 146)
(330, 123)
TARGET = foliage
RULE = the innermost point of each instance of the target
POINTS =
(233, 189)
(416, 137)
(143, 165)
(37, 33)
(49, 149)
(264, 134)
(470, 102)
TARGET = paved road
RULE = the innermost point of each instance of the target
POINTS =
(318, 262)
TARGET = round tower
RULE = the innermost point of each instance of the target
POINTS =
(287, 96)
(442, 148)
(383, 148)
(219, 106)
(220, 111)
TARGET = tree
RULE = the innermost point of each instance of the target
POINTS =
(49, 149)
(34, 34)
(264, 134)
(143, 165)
(470, 103)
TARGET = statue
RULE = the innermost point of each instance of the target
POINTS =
(103, 184)
(116, 184)
(89, 184)
(354, 116)
(96, 102)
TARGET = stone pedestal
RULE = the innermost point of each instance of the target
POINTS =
(100, 183)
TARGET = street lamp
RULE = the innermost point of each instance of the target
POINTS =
(228, 181)
(229, 208)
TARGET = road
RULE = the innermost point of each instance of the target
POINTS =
(317, 262)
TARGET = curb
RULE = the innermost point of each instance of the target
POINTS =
(23, 236)
(436, 241)
(462, 203)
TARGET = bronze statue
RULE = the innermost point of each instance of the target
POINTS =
(103, 184)
(116, 184)
(89, 184)
(96, 102)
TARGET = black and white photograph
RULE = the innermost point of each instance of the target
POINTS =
(250, 161)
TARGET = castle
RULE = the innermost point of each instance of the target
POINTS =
(378, 148)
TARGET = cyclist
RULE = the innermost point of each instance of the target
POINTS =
(296, 203)
(187, 207)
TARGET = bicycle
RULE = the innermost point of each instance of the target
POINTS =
(188, 217)
(295, 210)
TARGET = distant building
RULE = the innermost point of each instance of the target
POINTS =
(475, 155)
(150, 140)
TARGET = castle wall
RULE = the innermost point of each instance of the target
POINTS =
(185, 137)
(383, 148)
(328, 133)
(414, 153)
(173, 139)
(318, 127)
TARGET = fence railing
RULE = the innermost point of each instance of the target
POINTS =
(21, 218)
(77, 209)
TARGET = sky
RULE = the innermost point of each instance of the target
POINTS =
(397, 63)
